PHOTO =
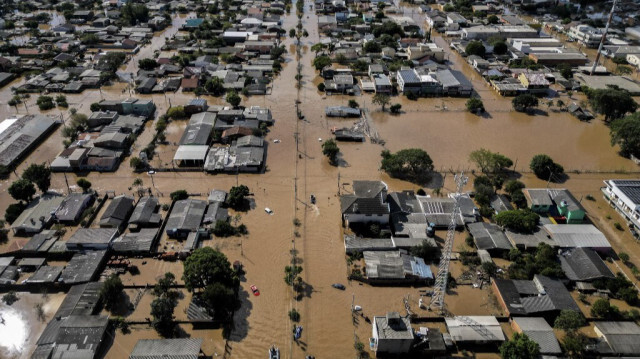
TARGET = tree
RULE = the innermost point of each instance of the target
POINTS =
(425, 251)
(237, 195)
(565, 70)
(613, 103)
(147, 64)
(233, 98)
(40, 175)
(574, 345)
(223, 229)
(179, 195)
(520, 347)
(475, 48)
(132, 14)
(214, 86)
(45, 103)
(412, 163)
(137, 164)
(492, 19)
(490, 162)
(162, 312)
(330, 149)
(10, 298)
(625, 132)
(475, 105)
(519, 220)
(602, 308)
(321, 62)
(84, 184)
(219, 299)
(569, 320)
(164, 285)
(624, 257)
(524, 102)
(381, 99)
(317, 48)
(111, 291)
(13, 211)
(513, 186)
(176, 113)
(372, 46)
(544, 167)
(353, 104)
(395, 108)
(292, 33)
(500, 48)
(95, 107)
(206, 266)
(22, 190)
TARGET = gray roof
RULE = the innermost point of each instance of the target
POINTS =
(141, 241)
(560, 196)
(83, 267)
(46, 274)
(145, 212)
(82, 299)
(183, 348)
(186, 214)
(41, 207)
(409, 77)
(88, 236)
(577, 235)
(488, 236)
(358, 244)
(21, 135)
(462, 330)
(117, 211)
(540, 295)
(392, 326)
(72, 206)
(584, 264)
(197, 312)
(630, 188)
(500, 203)
(538, 196)
(529, 240)
(217, 195)
(196, 134)
(451, 78)
(622, 337)
(540, 332)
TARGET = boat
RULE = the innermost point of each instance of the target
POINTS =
(255, 290)
(357, 308)
(338, 286)
(268, 210)
(274, 353)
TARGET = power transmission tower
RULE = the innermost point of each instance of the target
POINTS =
(603, 38)
(440, 286)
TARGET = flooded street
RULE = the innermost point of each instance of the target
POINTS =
(441, 126)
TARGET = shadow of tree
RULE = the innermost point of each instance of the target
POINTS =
(238, 329)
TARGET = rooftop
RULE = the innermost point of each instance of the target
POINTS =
(183, 348)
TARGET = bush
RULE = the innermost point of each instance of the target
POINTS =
(330, 149)
(321, 87)
(95, 107)
(524, 102)
(294, 315)
(519, 220)
(545, 168)
(395, 108)
(413, 163)
(475, 48)
(179, 195)
(13, 211)
(425, 251)
(111, 291)
(224, 229)
(602, 308)
(237, 195)
(176, 113)
(568, 320)
(10, 298)
(475, 105)
(45, 103)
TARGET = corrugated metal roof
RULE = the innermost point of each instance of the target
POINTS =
(183, 348)
(577, 235)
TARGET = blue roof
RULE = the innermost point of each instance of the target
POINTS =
(198, 102)
(420, 268)
(193, 22)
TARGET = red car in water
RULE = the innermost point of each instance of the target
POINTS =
(255, 290)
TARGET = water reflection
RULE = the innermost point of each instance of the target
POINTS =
(13, 331)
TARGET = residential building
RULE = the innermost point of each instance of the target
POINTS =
(368, 203)
(382, 83)
(91, 239)
(474, 329)
(583, 265)
(117, 212)
(19, 135)
(490, 237)
(578, 236)
(186, 216)
(408, 81)
(541, 296)
(182, 348)
(624, 195)
(395, 267)
(618, 338)
(392, 334)
(538, 330)
(38, 215)
(535, 83)
(72, 207)
(586, 35)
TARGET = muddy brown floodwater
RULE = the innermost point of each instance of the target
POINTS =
(440, 126)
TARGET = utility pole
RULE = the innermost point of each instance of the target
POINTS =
(604, 36)
(338, 183)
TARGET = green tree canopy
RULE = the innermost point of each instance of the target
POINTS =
(520, 347)
(147, 64)
(111, 291)
(22, 190)
(490, 162)
(613, 102)
(162, 312)
(233, 98)
(500, 48)
(13, 211)
(220, 300)
(330, 149)
(237, 196)
(545, 168)
(321, 62)
(381, 99)
(474, 104)
(179, 195)
(207, 266)
(475, 48)
(411, 163)
(519, 220)
(132, 14)
(602, 308)
(625, 132)
(524, 102)
(40, 175)
(569, 320)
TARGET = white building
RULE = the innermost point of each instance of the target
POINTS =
(625, 196)
(586, 35)
(391, 334)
